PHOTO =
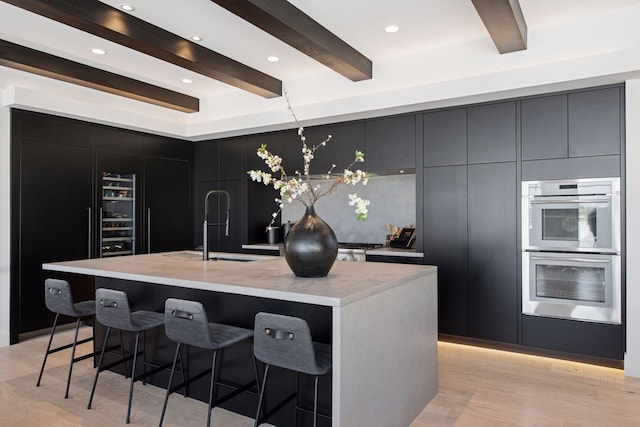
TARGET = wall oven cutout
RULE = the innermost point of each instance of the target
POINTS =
(571, 249)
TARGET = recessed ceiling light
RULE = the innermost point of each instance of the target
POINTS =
(187, 81)
(127, 7)
(99, 51)
(273, 58)
(392, 29)
(196, 38)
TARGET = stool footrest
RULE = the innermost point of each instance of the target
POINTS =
(277, 408)
(237, 390)
(66, 346)
(153, 371)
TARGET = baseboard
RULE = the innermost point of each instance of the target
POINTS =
(4, 339)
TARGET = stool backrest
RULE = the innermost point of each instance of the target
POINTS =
(58, 298)
(186, 322)
(284, 341)
(112, 309)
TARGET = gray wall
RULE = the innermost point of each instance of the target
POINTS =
(393, 201)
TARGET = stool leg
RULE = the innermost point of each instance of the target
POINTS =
(46, 354)
(295, 412)
(166, 396)
(211, 387)
(315, 401)
(255, 370)
(124, 358)
(184, 377)
(95, 380)
(73, 356)
(133, 377)
(261, 395)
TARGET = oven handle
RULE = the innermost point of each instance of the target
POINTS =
(595, 261)
(555, 202)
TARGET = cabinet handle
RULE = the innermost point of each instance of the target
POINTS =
(101, 232)
(148, 230)
(89, 237)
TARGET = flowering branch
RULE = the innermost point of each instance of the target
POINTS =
(299, 186)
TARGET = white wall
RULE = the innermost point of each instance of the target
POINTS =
(4, 223)
(632, 356)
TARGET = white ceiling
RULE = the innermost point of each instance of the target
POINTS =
(441, 55)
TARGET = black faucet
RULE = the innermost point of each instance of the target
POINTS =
(206, 225)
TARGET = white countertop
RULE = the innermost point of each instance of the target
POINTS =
(385, 251)
(269, 278)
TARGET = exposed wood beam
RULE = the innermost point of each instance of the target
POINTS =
(104, 21)
(286, 22)
(505, 23)
(44, 64)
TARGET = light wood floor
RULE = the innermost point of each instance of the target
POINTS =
(477, 387)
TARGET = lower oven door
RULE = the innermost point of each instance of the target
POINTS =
(572, 285)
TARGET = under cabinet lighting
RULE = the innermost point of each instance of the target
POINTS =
(99, 51)
(392, 29)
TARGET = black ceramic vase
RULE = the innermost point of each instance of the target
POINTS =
(311, 246)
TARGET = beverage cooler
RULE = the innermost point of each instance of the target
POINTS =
(117, 214)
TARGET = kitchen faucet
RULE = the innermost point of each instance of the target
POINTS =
(206, 225)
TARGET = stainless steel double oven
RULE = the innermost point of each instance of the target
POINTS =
(571, 249)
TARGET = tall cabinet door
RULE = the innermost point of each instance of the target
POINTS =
(445, 243)
(492, 252)
(167, 211)
(55, 222)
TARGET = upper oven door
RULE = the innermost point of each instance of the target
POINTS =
(578, 223)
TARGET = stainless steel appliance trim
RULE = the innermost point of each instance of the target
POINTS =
(559, 200)
(595, 261)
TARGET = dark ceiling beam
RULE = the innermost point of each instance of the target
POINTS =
(505, 23)
(286, 22)
(44, 64)
(104, 21)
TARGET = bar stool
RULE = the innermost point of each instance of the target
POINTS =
(186, 323)
(112, 310)
(285, 341)
(58, 299)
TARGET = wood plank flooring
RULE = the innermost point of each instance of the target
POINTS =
(477, 387)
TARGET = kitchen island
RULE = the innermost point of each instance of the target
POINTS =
(381, 319)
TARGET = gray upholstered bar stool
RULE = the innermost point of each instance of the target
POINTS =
(59, 300)
(112, 310)
(186, 323)
(286, 342)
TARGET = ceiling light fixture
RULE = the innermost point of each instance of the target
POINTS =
(392, 29)
(196, 38)
(127, 7)
(187, 81)
(273, 58)
(99, 51)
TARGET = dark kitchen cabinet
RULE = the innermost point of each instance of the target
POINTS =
(491, 133)
(445, 137)
(231, 159)
(445, 243)
(53, 222)
(340, 150)
(167, 219)
(492, 252)
(544, 127)
(595, 122)
(390, 144)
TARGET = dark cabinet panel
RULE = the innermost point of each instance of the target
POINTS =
(595, 122)
(571, 167)
(231, 160)
(491, 133)
(346, 139)
(445, 138)
(54, 220)
(205, 161)
(493, 284)
(390, 144)
(167, 205)
(445, 243)
(572, 336)
(544, 128)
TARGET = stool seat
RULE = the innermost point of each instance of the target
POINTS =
(59, 300)
(143, 320)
